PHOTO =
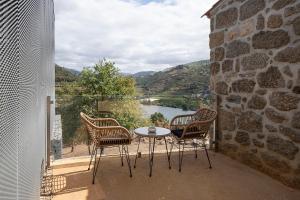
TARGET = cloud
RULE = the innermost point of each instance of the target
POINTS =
(136, 34)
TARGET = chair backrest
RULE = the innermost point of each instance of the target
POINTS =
(88, 124)
(199, 128)
(108, 128)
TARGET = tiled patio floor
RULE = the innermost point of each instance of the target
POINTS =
(228, 180)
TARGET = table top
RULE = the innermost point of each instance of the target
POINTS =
(160, 132)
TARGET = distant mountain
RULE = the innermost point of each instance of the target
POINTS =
(143, 74)
(63, 74)
(190, 78)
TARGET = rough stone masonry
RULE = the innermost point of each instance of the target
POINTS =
(255, 72)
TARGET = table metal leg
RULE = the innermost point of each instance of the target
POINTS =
(151, 154)
(168, 154)
(137, 152)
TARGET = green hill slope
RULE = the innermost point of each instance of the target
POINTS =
(187, 79)
(63, 74)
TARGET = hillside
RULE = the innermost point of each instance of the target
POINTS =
(143, 74)
(191, 78)
(63, 74)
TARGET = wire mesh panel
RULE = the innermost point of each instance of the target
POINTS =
(26, 79)
(9, 98)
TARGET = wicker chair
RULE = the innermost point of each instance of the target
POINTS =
(106, 132)
(190, 127)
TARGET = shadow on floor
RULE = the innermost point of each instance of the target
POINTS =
(228, 180)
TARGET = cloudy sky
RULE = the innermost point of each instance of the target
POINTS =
(137, 35)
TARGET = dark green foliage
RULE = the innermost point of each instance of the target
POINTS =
(65, 75)
(157, 116)
(192, 78)
(104, 79)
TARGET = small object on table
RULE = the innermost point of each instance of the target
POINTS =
(151, 130)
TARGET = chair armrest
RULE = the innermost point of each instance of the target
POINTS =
(112, 132)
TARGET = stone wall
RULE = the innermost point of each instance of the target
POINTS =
(255, 71)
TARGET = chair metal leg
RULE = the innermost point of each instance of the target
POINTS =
(96, 165)
(181, 155)
(137, 151)
(195, 148)
(128, 159)
(121, 154)
(168, 153)
(151, 154)
(92, 155)
(207, 157)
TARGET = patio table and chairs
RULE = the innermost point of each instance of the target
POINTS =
(107, 132)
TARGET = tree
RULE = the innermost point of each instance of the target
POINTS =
(104, 80)
(158, 119)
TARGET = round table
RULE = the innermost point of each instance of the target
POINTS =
(160, 133)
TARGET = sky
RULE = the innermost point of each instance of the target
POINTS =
(137, 35)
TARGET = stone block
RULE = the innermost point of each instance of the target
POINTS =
(274, 21)
(232, 34)
(255, 61)
(227, 136)
(261, 91)
(242, 138)
(227, 66)
(229, 148)
(219, 53)
(258, 143)
(282, 3)
(250, 121)
(247, 28)
(272, 78)
(284, 101)
(216, 39)
(290, 133)
(283, 147)
(234, 99)
(287, 71)
(296, 25)
(296, 121)
(271, 128)
(260, 136)
(275, 163)
(289, 11)
(227, 18)
(237, 48)
(221, 88)
(296, 90)
(274, 116)
(243, 86)
(270, 39)
(241, 30)
(260, 24)
(251, 8)
(214, 68)
(257, 103)
(226, 120)
(289, 54)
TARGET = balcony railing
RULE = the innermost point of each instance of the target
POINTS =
(70, 138)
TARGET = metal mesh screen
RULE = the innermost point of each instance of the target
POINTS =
(26, 79)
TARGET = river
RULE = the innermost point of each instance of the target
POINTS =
(168, 112)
